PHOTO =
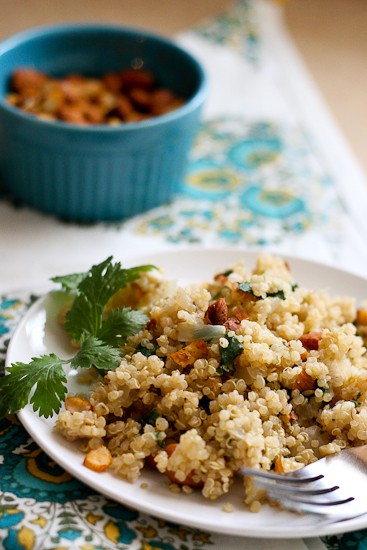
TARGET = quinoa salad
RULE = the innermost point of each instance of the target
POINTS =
(248, 369)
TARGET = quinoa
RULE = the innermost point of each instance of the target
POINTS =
(282, 383)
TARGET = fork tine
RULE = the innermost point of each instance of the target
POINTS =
(327, 509)
(296, 498)
(279, 478)
(275, 487)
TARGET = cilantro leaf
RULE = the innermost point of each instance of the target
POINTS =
(278, 294)
(46, 374)
(95, 353)
(105, 279)
(121, 323)
(94, 291)
(149, 418)
(147, 352)
(246, 287)
(228, 355)
(84, 316)
(70, 282)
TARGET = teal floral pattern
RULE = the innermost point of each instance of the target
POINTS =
(348, 541)
(254, 183)
(237, 29)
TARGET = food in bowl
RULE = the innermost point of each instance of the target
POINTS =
(248, 369)
(128, 95)
(98, 172)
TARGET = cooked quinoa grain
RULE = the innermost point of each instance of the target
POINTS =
(247, 370)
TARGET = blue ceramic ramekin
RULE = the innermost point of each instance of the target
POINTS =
(95, 173)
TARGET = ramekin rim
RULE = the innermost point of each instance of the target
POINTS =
(188, 106)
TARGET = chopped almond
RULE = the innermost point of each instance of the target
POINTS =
(289, 417)
(98, 459)
(130, 95)
(77, 404)
(188, 354)
(221, 278)
(217, 313)
(362, 317)
(304, 355)
(240, 313)
(293, 415)
(132, 78)
(124, 107)
(170, 449)
(304, 382)
(150, 461)
(162, 101)
(311, 340)
(28, 79)
(232, 323)
(113, 81)
(151, 324)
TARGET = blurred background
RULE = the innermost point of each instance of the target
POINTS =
(330, 35)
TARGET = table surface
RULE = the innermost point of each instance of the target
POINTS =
(329, 34)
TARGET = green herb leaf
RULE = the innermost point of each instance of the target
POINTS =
(246, 287)
(70, 282)
(120, 324)
(95, 289)
(147, 352)
(105, 279)
(95, 353)
(228, 355)
(278, 294)
(85, 316)
(149, 418)
(356, 400)
(161, 442)
(45, 374)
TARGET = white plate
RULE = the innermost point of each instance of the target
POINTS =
(39, 332)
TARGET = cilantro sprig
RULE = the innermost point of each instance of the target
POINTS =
(92, 292)
(43, 382)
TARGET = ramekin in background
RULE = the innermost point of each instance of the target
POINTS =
(97, 172)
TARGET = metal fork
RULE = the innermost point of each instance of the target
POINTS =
(335, 486)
